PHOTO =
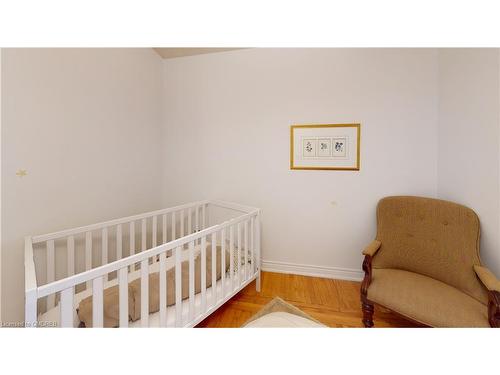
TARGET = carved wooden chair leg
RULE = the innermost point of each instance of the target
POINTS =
(367, 314)
(366, 306)
(494, 309)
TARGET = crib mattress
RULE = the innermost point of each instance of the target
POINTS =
(53, 315)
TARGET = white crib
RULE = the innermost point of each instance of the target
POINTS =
(59, 266)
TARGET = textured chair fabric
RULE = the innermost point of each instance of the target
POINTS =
(425, 299)
(432, 238)
(488, 279)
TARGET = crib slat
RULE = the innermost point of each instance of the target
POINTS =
(223, 261)
(214, 268)
(145, 293)
(119, 242)
(70, 244)
(104, 249)
(97, 303)
(203, 274)
(191, 280)
(197, 218)
(252, 244)
(231, 257)
(203, 216)
(51, 272)
(123, 296)
(143, 235)
(174, 235)
(178, 287)
(164, 228)
(132, 243)
(257, 252)
(190, 221)
(67, 308)
(155, 229)
(245, 249)
(163, 289)
(182, 223)
(132, 237)
(239, 255)
(88, 255)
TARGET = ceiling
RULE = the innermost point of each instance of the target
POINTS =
(170, 53)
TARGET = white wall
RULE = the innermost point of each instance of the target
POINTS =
(0, 185)
(227, 122)
(86, 125)
(469, 121)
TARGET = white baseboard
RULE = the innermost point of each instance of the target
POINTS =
(310, 270)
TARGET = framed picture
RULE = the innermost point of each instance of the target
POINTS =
(329, 147)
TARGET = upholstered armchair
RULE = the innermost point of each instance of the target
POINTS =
(424, 265)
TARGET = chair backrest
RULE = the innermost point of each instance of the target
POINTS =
(431, 237)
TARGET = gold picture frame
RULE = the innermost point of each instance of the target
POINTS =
(321, 159)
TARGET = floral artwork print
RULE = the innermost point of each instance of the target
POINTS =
(325, 147)
(339, 146)
(310, 146)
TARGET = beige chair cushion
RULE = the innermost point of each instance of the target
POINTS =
(426, 300)
(430, 237)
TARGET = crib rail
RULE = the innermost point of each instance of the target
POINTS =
(134, 218)
(246, 226)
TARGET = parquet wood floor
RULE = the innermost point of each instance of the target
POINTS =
(332, 302)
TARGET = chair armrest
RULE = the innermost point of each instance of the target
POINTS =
(368, 252)
(487, 278)
(372, 248)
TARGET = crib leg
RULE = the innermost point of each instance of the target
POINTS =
(258, 251)
(257, 283)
